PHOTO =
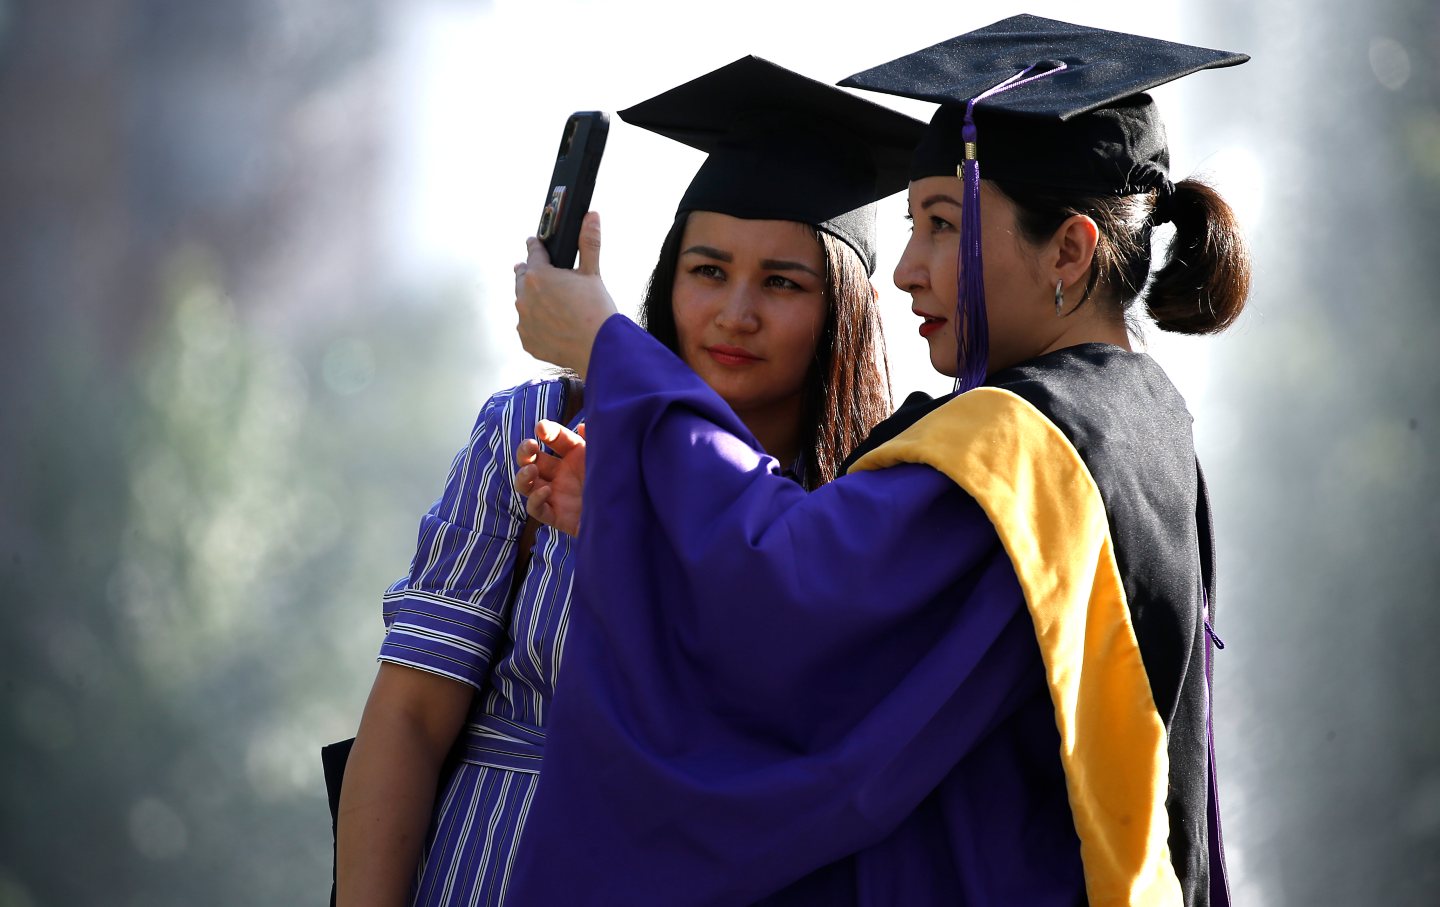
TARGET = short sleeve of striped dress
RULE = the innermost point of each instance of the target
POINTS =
(448, 614)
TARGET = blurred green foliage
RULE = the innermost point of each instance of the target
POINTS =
(196, 598)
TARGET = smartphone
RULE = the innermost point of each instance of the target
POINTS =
(572, 184)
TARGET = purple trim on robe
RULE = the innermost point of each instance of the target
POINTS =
(833, 698)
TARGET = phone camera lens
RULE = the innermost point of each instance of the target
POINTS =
(569, 138)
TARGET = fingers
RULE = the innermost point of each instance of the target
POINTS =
(520, 269)
(527, 452)
(547, 431)
(590, 244)
(535, 254)
(534, 465)
(537, 505)
(557, 437)
(525, 479)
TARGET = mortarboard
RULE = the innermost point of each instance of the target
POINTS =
(1085, 126)
(783, 146)
(1040, 102)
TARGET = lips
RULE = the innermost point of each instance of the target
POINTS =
(731, 355)
(931, 323)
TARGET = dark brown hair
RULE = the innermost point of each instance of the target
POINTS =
(847, 388)
(1203, 284)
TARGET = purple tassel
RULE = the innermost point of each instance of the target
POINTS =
(972, 325)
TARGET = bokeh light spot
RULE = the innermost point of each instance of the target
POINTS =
(280, 763)
(1391, 62)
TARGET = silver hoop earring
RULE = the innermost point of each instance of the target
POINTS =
(1059, 297)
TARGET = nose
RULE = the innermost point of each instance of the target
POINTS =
(911, 273)
(737, 312)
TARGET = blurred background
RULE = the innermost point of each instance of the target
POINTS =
(255, 283)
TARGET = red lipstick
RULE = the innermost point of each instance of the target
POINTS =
(731, 355)
(931, 324)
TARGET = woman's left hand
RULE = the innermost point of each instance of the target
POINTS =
(560, 310)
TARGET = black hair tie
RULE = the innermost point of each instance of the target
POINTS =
(1164, 210)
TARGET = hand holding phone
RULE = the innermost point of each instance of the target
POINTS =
(571, 185)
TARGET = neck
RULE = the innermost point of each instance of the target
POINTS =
(777, 428)
(1089, 325)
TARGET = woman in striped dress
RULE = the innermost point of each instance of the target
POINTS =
(762, 287)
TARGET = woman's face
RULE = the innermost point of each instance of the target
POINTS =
(749, 300)
(1020, 314)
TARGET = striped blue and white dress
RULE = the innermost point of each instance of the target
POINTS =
(450, 616)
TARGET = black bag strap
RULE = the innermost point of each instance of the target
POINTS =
(1219, 879)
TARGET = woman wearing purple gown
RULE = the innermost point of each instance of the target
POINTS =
(762, 291)
(973, 669)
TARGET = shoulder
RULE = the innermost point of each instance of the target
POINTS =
(511, 414)
(1094, 390)
(916, 406)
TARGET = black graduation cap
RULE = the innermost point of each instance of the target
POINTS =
(783, 146)
(1037, 101)
(1077, 120)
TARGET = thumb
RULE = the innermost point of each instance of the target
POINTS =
(557, 437)
(590, 244)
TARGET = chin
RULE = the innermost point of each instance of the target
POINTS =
(943, 364)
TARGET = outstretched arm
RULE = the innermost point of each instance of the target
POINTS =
(757, 681)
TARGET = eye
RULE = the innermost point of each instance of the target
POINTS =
(782, 283)
(937, 224)
(909, 221)
(708, 271)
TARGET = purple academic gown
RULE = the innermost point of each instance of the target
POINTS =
(780, 697)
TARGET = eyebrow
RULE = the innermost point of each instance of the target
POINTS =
(937, 199)
(775, 264)
(709, 252)
(768, 264)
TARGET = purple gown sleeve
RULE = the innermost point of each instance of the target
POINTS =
(757, 681)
